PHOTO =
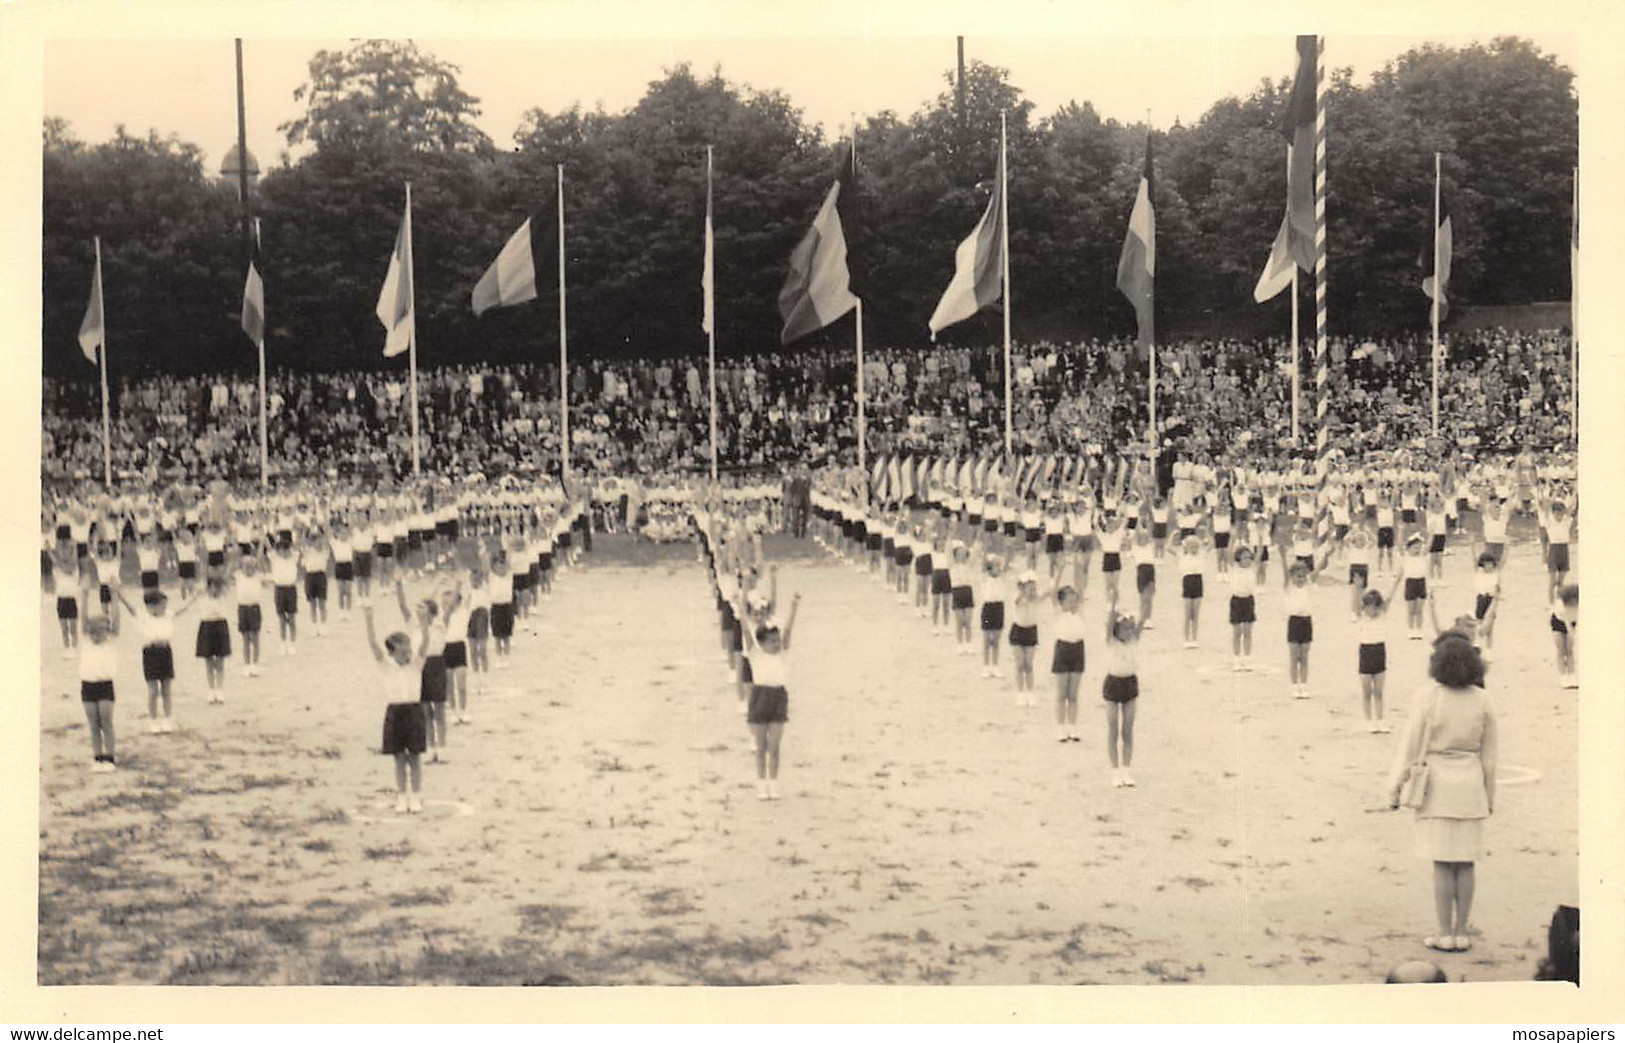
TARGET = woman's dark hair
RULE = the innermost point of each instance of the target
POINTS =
(1455, 662)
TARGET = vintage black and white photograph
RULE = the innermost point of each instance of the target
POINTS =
(950, 509)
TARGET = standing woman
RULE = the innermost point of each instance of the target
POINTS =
(1024, 636)
(1451, 730)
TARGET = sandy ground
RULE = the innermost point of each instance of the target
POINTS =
(597, 822)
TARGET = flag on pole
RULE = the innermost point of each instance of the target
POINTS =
(93, 330)
(708, 278)
(395, 298)
(978, 264)
(1278, 269)
(818, 289)
(254, 306)
(1441, 246)
(1136, 269)
(1298, 128)
(511, 279)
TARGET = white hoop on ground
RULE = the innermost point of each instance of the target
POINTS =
(387, 815)
(1225, 671)
(1516, 775)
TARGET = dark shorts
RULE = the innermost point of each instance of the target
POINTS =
(521, 582)
(1557, 557)
(545, 561)
(1408, 515)
(405, 729)
(344, 571)
(1145, 576)
(1241, 609)
(1054, 543)
(888, 546)
(248, 619)
(1416, 588)
(873, 541)
(564, 540)
(67, 608)
(1221, 540)
(1360, 574)
(1191, 586)
(213, 639)
(1300, 630)
(1339, 531)
(455, 655)
(1023, 637)
(745, 675)
(1009, 528)
(1085, 543)
(922, 565)
(1436, 543)
(217, 558)
(286, 600)
(187, 569)
(445, 528)
(502, 620)
(1159, 530)
(1481, 605)
(432, 684)
(157, 662)
(903, 556)
(479, 624)
(149, 579)
(940, 583)
(96, 691)
(316, 586)
(1068, 658)
(384, 550)
(990, 525)
(1558, 626)
(993, 615)
(963, 597)
(769, 704)
(1495, 550)
(1111, 561)
(1385, 537)
(1120, 689)
(363, 565)
(1033, 535)
(1374, 658)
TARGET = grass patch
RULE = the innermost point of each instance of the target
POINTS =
(422, 896)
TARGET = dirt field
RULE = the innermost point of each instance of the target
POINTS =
(597, 822)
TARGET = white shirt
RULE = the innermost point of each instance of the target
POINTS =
(157, 630)
(98, 662)
(284, 571)
(1069, 626)
(769, 669)
(1121, 658)
(1297, 600)
(1371, 630)
(247, 590)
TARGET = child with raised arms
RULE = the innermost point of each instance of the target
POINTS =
(1121, 692)
(405, 729)
(214, 637)
(769, 706)
(1067, 662)
(98, 665)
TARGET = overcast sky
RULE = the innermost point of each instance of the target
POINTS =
(185, 86)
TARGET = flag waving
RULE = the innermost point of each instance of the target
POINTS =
(978, 263)
(708, 278)
(1298, 127)
(93, 330)
(818, 289)
(1137, 268)
(1278, 269)
(1440, 279)
(254, 306)
(511, 279)
(395, 298)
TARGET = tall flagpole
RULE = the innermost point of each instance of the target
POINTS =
(1004, 253)
(107, 423)
(1322, 402)
(564, 352)
(265, 444)
(412, 335)
(710, 304)
(1574, 313)
(1438, 292)
(863, 452)
(1297, 355)
(1151, 342)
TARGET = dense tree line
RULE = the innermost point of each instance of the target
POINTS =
(1503, 114)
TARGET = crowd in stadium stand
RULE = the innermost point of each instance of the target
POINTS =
(1500, 392)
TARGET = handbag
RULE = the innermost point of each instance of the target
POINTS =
(1414, 790)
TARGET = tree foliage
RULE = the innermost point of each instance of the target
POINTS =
(1502, 116)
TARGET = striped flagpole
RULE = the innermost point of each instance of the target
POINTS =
(1321, 399)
